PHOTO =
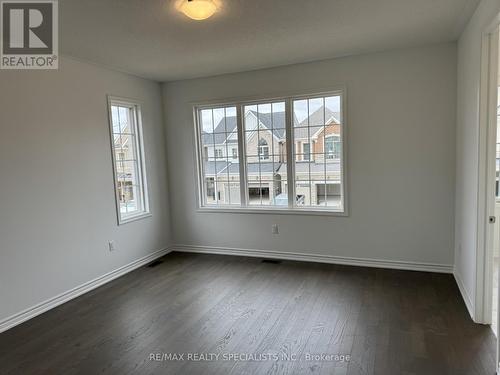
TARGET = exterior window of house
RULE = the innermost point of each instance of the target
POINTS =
(263, 150)
(306, 149)
(128, 160)
(333, 147)
(263, 135)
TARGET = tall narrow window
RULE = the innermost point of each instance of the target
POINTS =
(306, 149)
(281, 154)
(220, 168)
(263, 150)
(318, 171)
(128, 160)
(333, 146)
(264, 129)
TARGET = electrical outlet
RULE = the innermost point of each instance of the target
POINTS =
(111, 245)
(275, 229)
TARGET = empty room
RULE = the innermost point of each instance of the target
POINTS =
(249, 187)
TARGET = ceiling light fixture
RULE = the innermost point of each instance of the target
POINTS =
(198, 9)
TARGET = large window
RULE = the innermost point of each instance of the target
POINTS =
(282, 154)
(128, 160)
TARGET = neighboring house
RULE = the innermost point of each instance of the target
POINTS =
(317, 152)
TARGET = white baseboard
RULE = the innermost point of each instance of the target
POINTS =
(42, 307)
(400, 265)
(465, 295)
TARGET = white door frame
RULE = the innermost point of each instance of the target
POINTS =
(487, 173)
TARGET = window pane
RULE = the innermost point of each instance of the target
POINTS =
(125, 144)
(332, 107)
(220, 156)
(233, 191)
(317, 151)
(302, 168)
(207, 121)
(231, 143)
(129, 183)
(300, 113)
(135, 203)
(115, 120)
(302, 193)
(334, 195)
(328, 194)
(265, 147)
(219, 120)
(210, 191)
(316, 110)
(279, 122)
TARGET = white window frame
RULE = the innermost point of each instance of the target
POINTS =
(141, 165)
(218, 153)
(304, 153)
(332, 137)
(263, 150)
(290, 184)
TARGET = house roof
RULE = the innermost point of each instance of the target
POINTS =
(322, 116)
(227, 125)
(274, 121)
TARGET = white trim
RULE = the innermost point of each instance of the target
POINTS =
(135, 107)
(486, 194)
(318, 258)
(64, 297)
(274, 211)
(465, 295)
(269, 98)
(490, 173)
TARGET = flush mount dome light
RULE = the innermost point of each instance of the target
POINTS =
(198, 9)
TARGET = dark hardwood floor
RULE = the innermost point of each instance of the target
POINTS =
(273, 317)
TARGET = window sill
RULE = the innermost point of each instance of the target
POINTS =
(133, 218)
(275, 211)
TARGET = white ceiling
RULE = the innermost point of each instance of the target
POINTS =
(150, 38)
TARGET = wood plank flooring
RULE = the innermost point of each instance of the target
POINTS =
(258, 318)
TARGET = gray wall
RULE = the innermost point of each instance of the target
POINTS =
(56, 191)
(469, 70)
(401, 158)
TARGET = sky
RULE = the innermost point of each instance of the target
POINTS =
(300, 107)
